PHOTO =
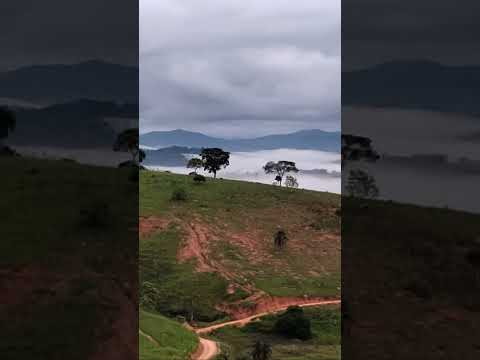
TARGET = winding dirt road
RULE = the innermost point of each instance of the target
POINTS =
(208, 349)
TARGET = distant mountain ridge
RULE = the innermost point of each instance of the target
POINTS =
(79, 123)
(302, 140)
(94, 79)
(417, 84)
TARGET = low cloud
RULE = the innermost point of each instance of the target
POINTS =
(240, 67)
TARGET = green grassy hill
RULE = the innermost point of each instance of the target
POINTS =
(207, 252)
(68, 245)
(161, 338)
(213, 246)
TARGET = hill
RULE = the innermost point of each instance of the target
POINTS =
(409, 262)
(69, 261)
(95, 80)
(212, 255)
(305, 140)
(76, 124)
(421, 85)
(161, 338)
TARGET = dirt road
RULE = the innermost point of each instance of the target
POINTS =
(207, 349)
(244, 321)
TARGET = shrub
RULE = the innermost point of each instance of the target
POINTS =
(294, 324)
(179, 195)
(199, 178)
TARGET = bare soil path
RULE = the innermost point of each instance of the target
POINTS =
(207, 349)
(246, 320)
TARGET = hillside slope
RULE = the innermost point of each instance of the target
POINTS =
(212, 254)
(161, 338)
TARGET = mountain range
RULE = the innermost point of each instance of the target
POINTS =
(56, 83)
(77, 124)
(418, 84)
(303, 140)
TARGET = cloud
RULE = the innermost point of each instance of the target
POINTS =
(375, 31)
(58, 31)
(239, 68)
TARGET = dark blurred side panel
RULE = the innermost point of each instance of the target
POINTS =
(410, 175)
(68, 211)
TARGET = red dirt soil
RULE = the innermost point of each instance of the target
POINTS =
(266, 304)
(150, 224)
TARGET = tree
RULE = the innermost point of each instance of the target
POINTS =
(214, 159)
(127, 141)
(280, 168)
(280, 239)
(261, 351)
(358, 148)
(291, 182)
(355, 148)
(7, 123)
(195, 164)
(294, 324)
(362, 185)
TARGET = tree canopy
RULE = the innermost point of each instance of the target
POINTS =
(128, 141)
(214, 159)
(280, 168)
(195, 163)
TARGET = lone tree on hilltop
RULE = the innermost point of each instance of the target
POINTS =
(280, 168)
(214, 159)
(261, 351)
(7, 123)
(195, 164)
(127, 141)
(280, 239)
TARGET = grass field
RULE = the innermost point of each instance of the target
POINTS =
(412, 279)
(68, 245)
(239, 220)
(325, 344)
(172, 288)
(171, 340)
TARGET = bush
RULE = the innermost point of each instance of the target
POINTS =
(179, 195)
(294, 324)
(199, 178)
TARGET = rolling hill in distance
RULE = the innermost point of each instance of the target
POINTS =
(415, 84)
(302, 140)
(92, 79)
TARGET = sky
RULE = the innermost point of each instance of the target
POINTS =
(240, 68)
(55, 32)
(376, 31)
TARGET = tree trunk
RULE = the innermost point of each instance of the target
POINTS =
(214, 174)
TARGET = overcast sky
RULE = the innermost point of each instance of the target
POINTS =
(240, 68)
(59, 31)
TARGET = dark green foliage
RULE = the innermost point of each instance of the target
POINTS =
(280, 168)
(294, 324)
(199, 178)
(179, 195)
(214, 159)
(261, 351)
